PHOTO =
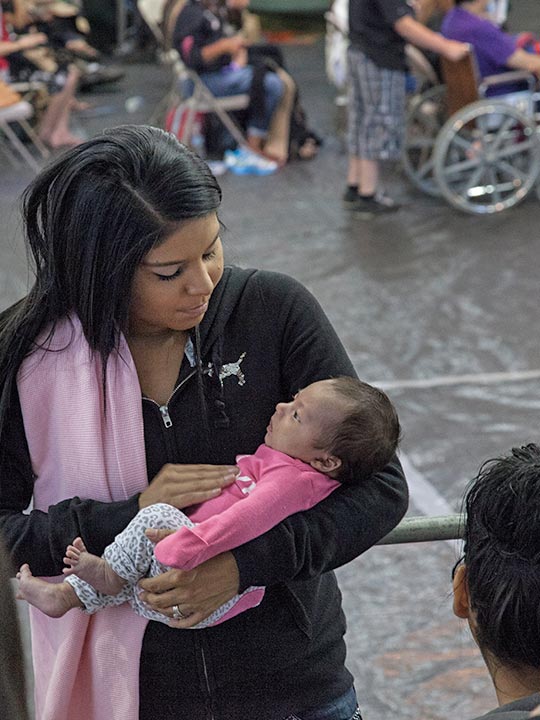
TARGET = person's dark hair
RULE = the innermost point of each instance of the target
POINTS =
(367, 438)
(90, 218)
(12, 673)
(502, 556)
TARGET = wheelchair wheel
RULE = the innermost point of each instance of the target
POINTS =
(425, 118)
(487, 157)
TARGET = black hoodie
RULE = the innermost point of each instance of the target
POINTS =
(263, 337)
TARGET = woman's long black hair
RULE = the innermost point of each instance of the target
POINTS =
(90, 217)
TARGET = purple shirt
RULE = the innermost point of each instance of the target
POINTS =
(492, 46)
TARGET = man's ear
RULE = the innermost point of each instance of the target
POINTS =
(326, 464)
(462, 607)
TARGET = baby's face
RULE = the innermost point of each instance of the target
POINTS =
(296, 427)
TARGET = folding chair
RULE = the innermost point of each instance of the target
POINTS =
(162, 24)
(19, 113)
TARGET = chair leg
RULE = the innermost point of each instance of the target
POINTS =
(19, 146)
(8, 152)
(41, 148)
(224, 116)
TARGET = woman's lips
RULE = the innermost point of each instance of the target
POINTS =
(195, 311)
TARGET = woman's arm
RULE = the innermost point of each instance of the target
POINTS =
(333, 533)
(352, 518)
(281, 490)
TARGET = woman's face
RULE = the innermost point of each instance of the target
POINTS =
(173, 284)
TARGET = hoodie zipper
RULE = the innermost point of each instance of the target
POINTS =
(168, 423)
(166, 418)
(164, 409)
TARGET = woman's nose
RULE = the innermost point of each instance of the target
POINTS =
(200, 282)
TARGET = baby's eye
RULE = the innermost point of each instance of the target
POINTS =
(296, 416)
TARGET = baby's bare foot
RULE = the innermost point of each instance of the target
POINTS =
(92, 569)
(53, 599)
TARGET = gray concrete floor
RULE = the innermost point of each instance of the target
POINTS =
(438, 307)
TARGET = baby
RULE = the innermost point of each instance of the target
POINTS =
(334, 431)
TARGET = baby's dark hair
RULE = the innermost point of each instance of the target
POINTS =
(502, 556)
(366, 440)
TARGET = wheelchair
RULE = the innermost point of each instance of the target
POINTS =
(480, 152)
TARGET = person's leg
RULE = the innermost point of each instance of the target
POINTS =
(260, 118)
(355, 107)
(238, 82)
(94, 570)
(368, 177)
(375, 132)
(224, 83)
(53, 599)
(54, 127)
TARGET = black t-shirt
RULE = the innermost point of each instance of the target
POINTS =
(371, 30)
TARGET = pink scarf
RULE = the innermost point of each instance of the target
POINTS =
(85, 667)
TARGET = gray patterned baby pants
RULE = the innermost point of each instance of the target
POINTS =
(131, 556)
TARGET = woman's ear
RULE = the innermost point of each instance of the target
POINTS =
(461, 606)
(326, 464)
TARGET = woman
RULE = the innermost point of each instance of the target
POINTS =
(132, 296)
(218, 54)
(497, 583)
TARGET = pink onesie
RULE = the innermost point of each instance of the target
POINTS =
(270, 487)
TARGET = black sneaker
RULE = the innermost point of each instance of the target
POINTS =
(350, 197)
(371, 207)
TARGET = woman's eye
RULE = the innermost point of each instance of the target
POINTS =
(170, 277)
(209, 255)
(296, 416)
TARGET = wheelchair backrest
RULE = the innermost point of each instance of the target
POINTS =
(461, 78)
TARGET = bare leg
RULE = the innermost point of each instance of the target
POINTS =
(368, 180)
(92, 569)
(53, 599)
(54, 129)
(364, 173)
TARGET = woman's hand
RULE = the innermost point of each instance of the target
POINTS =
(197, 592)
(185, 485)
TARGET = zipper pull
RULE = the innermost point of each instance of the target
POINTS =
(164, 410)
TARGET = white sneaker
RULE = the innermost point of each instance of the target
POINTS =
(245, 162)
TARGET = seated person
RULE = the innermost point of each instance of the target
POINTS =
(53, 128)
(201, 36)
(332, 432)
(497, 582)
(65, 29)
(496, 51)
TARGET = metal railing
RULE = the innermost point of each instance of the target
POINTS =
(425, 529)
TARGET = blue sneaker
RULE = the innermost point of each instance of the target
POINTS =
(244, 162)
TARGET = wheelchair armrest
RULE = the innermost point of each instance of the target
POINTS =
(508, 77)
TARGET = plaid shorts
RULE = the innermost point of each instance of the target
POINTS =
(376, 113)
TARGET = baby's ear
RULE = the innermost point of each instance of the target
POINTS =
(461, 605)
(326, 464)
